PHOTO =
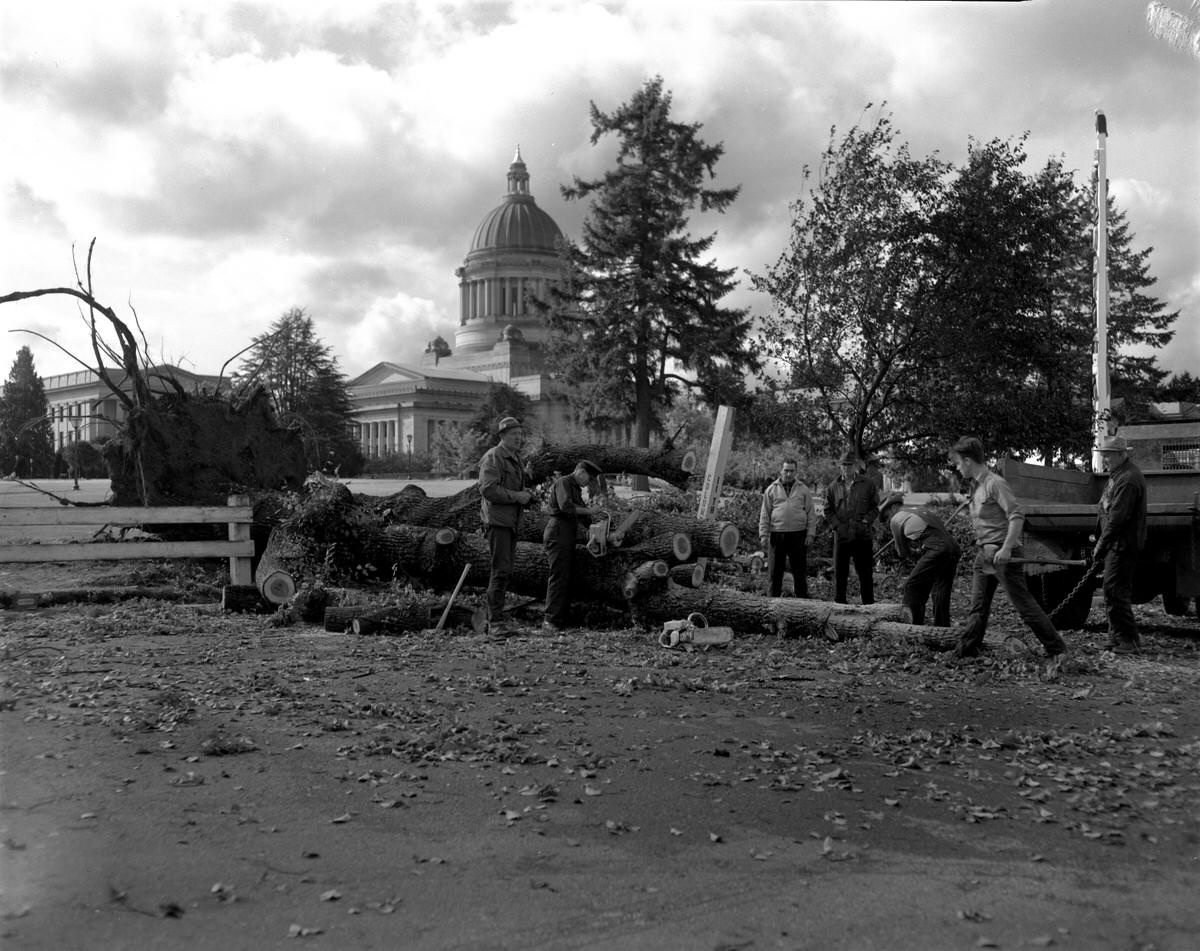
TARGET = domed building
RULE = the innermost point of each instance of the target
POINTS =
(512, 262)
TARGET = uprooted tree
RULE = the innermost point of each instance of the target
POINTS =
(173, 445)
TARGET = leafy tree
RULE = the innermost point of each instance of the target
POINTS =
(638, 318)
(851, 323)
(917, 302)
(307, 389)
(26, 441)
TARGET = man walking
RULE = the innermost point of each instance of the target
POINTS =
(503, 492)
(852, 504)
(566, 510)
(786, 525)
(998, 523)
(1120, 535)
(921, 537)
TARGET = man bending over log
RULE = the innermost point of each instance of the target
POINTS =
(922, 540)
(566, 510)
(503, 492)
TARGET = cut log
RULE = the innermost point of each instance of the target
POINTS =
(673, 546)
(394, 619)
(666, 463)
(645, 578)
(709, 539)
(689, 576)
(752, 613)
(288, 556)
(337, 619)
(415, 552)
(243, 599)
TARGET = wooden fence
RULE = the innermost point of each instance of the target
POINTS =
(239, 549)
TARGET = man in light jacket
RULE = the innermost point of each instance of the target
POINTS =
(786, 525)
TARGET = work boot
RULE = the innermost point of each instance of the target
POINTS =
(1122, 646)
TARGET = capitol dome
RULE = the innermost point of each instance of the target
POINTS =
(504, 282)
(517, 224)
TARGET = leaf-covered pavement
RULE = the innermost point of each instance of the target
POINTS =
(178, 778)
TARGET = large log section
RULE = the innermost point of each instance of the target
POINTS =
(461, 511)
(790, 617)
(418, 553)
(668, 463)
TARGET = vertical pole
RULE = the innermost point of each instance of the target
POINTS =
(714, 471)
(239, 565)
(1102, 400)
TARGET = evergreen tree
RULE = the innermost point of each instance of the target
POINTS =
(26, 441)
(308, 391)
(1180, 388)
(638, 318)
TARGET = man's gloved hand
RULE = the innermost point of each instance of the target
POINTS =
(1098, 552)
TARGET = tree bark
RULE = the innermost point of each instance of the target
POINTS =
(689, 576)
(244, 599)
(789, 617)
(646, 578)
(709, 539)
(285, 559)
(667, 463)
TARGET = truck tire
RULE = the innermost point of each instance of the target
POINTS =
(1176, 605)
(1052, 588)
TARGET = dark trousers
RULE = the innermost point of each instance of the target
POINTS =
(1011, 578)
(1118, 595)
(862, 552)
(502, 543)
(559, 542)
(934, 572)
(792, 548)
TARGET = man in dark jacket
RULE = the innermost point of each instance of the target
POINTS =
(921, 537)
(851, 504)
(502, 487)
(567, 511)
(1120, 535)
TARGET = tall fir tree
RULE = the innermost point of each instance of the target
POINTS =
(639, 318)
(26, 441)
(308, 390)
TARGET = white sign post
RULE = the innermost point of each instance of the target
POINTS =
(714, 472)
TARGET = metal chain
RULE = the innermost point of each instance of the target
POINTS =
(1089, 577)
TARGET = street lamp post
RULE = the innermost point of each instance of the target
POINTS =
(409, 438)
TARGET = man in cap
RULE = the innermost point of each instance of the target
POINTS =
(503, 492)
(567, 511)
(1120, 535)
(998, 521)
(852, 503)
(921, 537)
(786, 525)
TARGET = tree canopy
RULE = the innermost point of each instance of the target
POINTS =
(308, 391)
(918, 301)
(639, 318)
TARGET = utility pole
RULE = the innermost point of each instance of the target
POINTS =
(1102, 398)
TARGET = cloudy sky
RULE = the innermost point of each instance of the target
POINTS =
(234, 160)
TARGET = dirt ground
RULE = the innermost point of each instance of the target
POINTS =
(178, 778)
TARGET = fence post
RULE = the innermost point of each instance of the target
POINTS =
(239, 566)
